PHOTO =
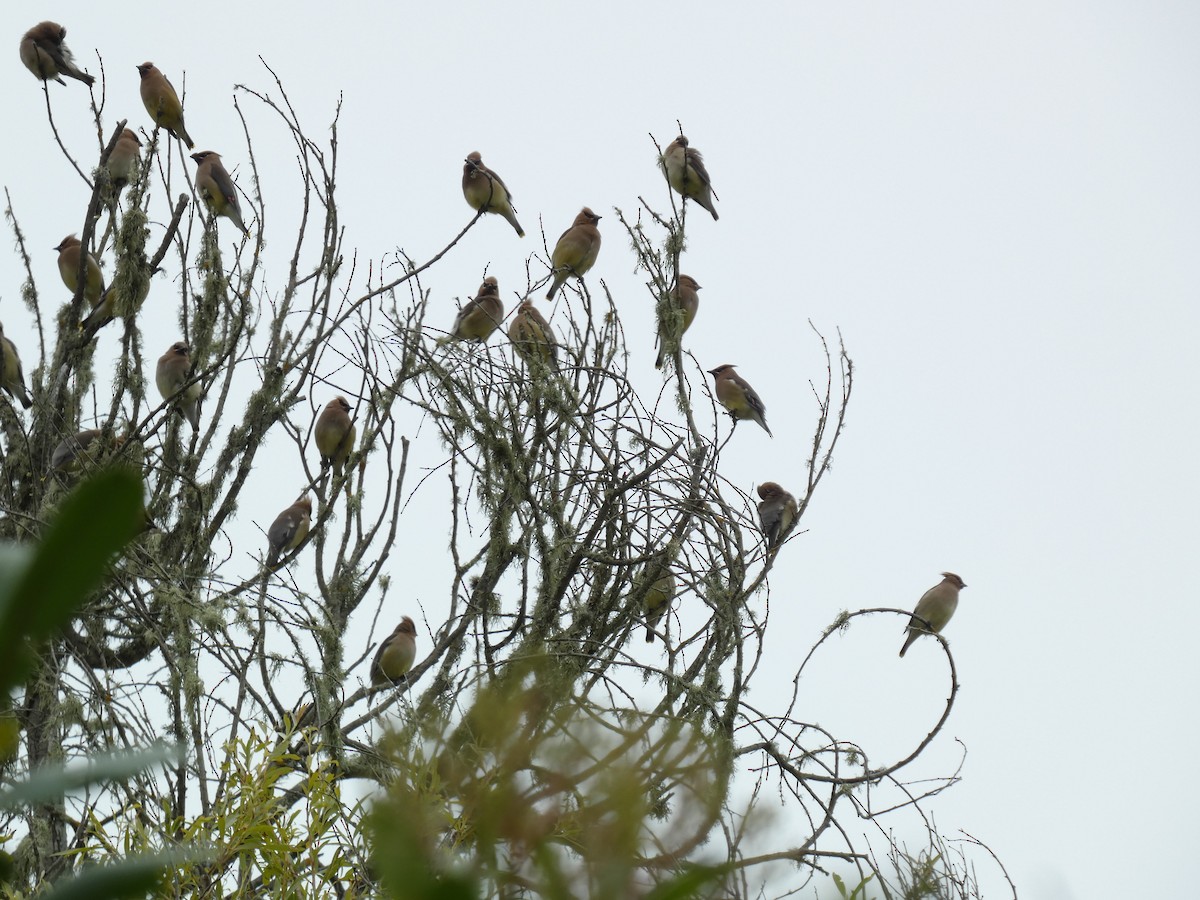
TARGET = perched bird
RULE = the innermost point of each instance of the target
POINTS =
(736, 395)
(776, 513)
(485, 190)
(935, 607)
(66, 454)
(657, 602)
(173, 372)
(684, 168)
(396, 654)
(576, 249)
(479, 317)
(288, 530)
(676, 316)
(12, 378)
(334, 434)
(532, 336)
(101, 315)
(216, 187)
(162, 103)
(46, 56)
(68, 267)
(124, 159)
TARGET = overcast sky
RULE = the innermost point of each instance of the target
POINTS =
(997, 204)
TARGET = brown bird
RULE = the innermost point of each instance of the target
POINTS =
(485, 190)
(684, 168)
(68, 267)
(935, 607)
(66, 454)
(162, 103)
(532, 336)
(124, 159)
(480, 316)
(12, 378)
(776, 514)
(288, 530)
(676, 316)
(173, 372)
(334, 434)
(216, 187)
(101, 315)
(657, 602)
(46, 56)
(576, 250)
(396, 655)
(736, 395)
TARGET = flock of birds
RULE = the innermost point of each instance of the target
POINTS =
(45, 54)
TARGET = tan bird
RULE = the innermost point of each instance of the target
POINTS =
(485, 190)
(776, 513)
(480, 316)
(684, 168)
(532, 336)
(68, 267)
(101, 315)
(396, 655)
(124, 159)
(162, 103)
(66, 454)
(216, 187)
(12, 377)
(736, 395)
(935, 607)
(576, 250)
(173, 372)
(676, 316)
(288, 530)
(334, 434)
(657, 602)
(46, 56)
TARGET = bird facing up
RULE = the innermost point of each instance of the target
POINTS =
(684, 168)
(936, 606)
(216, 187)
(46, 56)
(676, 316)
(334, 434)
(657, 602)
(485, 190)
(173, 372)
(69, 249)
(12, 377)
(396, 655)
(776, 513)
(576, 250)
(162, 103)
(288, 530)
(736, 395)
(532, 336)
(480, 316)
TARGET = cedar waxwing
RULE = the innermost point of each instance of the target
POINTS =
(216, 187)
(576, 249)
(685, 172)
(396, 654)
(174, 370)
(334, 434)
(776, 514)
(67, 452)
(485, 190)
(479, 317)
(122, 162)
(12, 378)
(162, 102)
(46, 56)
(289, 529)
(657, 602)
(736, 395)
(101, 315)
(68, 267)
(671, 326)
(936, 606)
(532, 336)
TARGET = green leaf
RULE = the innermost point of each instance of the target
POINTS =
(688, 884)
(133, 877)
(53, 781)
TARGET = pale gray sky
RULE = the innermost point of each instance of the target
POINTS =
(999, 206)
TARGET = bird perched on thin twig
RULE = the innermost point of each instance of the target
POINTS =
(776, 513)
(288, 530)
(216, 187)
(676, 316)
(69, 249)
(334, 434)
(173, 372)
(123, 161)
(736, 395)
(479, 316)
(532, 337)
(934, 609)
(396, 655)
(485, 190)
(657, 602)
(12, 377)
(576, 250)
(162, 103)
(46, 56)
(684, 168)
